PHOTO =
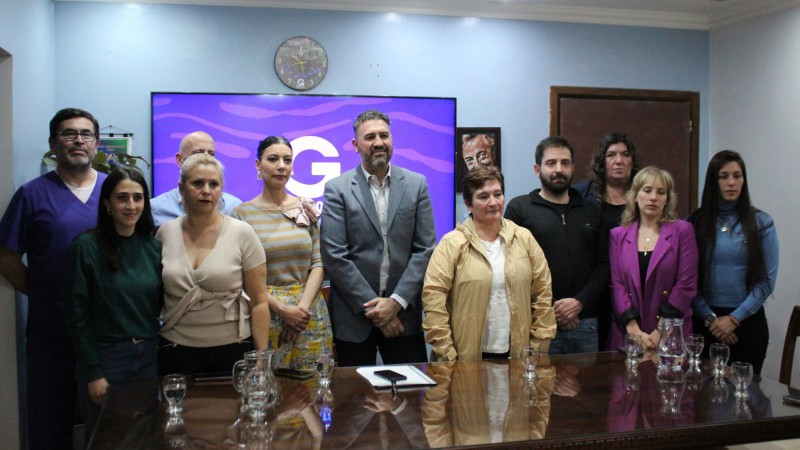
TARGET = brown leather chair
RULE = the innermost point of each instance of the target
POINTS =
(792, 333)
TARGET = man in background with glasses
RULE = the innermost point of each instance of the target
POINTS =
(41, 221)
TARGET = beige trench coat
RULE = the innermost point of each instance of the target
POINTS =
(458, 281)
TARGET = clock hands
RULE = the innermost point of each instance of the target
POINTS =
(301, 63)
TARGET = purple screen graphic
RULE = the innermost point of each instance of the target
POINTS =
(320, 129)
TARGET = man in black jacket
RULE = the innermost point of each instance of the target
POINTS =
(571, 233)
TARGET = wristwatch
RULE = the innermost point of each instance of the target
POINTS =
(709, 319)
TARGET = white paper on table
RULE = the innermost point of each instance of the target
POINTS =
(414, 376)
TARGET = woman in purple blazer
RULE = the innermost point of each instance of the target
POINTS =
(653, 261)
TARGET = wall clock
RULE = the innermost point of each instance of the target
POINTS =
(301, 63)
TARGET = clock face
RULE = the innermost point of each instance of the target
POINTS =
(301, 63)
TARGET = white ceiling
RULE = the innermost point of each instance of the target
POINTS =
(686, 14)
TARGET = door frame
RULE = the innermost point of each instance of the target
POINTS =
(693, 98)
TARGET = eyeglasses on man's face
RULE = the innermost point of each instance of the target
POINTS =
(70, 135)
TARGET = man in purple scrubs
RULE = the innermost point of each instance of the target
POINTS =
(41, 221)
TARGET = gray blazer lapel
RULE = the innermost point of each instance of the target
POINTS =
(397, 190)
(363, 195)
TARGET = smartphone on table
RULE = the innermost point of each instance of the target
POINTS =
(390, 375)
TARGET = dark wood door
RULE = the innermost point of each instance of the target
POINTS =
(662, 124)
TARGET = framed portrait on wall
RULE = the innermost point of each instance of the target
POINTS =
(474, 147)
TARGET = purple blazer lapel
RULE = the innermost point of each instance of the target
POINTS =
(662, 249)
(630, 255)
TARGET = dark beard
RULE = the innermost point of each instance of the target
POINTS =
(556, 188)
(380, 162)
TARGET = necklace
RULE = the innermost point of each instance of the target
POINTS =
(646, 246)
(726, 226)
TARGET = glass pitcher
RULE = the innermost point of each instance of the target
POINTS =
(260, 384)
(240, 370)
(671, 347)
(671, 384)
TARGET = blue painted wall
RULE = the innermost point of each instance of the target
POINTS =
(26, 34)
(500, 70)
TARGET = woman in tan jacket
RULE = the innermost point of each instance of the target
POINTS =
(487, 291)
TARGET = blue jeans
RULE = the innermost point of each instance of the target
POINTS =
(121, 362)
(582, 339)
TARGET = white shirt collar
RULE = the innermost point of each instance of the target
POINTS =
(367, 174)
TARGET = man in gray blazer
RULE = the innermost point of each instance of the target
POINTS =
(377, 236)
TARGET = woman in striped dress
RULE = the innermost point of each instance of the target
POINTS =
(300, 327)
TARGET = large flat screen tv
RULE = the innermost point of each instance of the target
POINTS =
(320, 128)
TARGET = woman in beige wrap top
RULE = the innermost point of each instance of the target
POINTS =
(211, 265)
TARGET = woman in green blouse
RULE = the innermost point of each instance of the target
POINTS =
(114, 292)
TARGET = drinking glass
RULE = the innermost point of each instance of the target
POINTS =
(632, 380)
(719, 354)
(323, 404)
(741, 410)
(325, 365)
(633, 347)
(175, 435)
(694, 345)
(531, 359)
(741, 375)
(531, 397)
(719, 390)
(174, 388)
(694, 378)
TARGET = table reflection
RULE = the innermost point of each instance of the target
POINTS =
(504, 407)
(644, 402)
(644, 399)
(133, 419)
(587, 400)
(211, 418)
(364, 418)
(723, 406)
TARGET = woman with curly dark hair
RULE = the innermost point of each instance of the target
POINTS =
(613, 166)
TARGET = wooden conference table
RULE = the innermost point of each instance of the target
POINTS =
(587, 400)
